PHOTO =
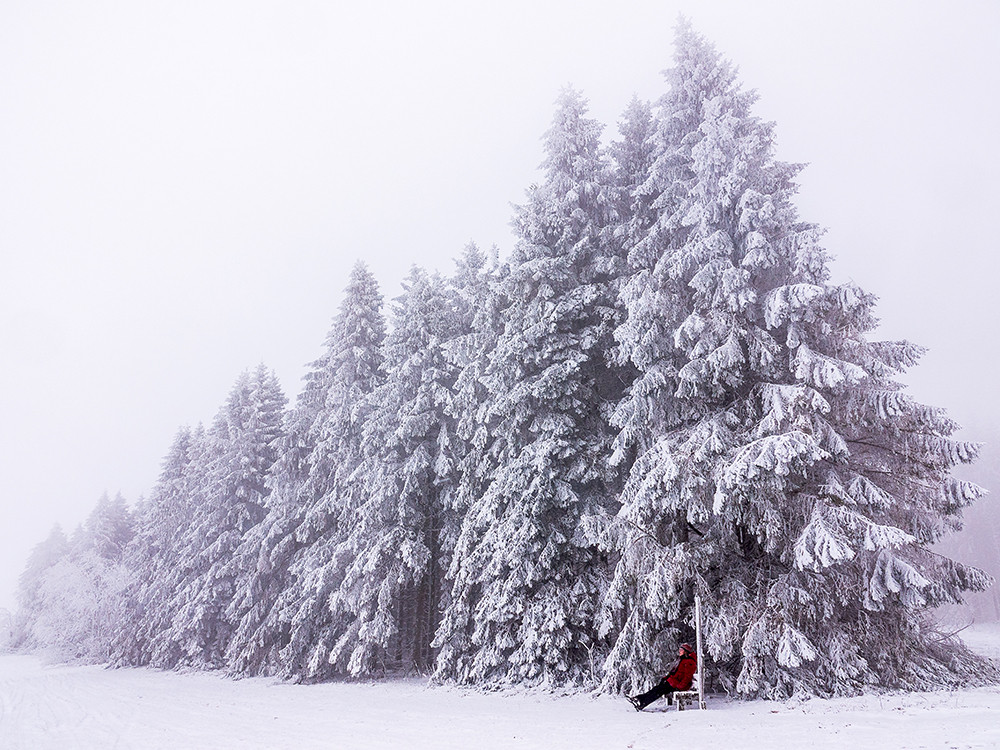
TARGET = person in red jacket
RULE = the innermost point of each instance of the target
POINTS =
(679, 679)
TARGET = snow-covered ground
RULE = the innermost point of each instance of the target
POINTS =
(48, 707)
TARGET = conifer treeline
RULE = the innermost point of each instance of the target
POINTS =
(528, 474)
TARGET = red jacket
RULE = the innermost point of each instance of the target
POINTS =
(683, 674)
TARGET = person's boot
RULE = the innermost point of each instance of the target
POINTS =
(634, 700)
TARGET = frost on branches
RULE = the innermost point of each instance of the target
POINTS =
(286, 625)
(397, 543)
(526, 578)
(235, 461)
(72, 592)
(780, 471)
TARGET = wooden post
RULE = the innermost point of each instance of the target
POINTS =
(701, 664)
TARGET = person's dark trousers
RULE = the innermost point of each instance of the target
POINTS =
(658, 691)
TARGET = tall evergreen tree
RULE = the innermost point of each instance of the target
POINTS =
(179, 558)
(781, 472)
(109, 528)
(287, 626)
(526, 577)
(397, 543)
(241, 448)
(153, 555)
(479, 302)
(632, 156)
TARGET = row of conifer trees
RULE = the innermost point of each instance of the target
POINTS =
(528, 471)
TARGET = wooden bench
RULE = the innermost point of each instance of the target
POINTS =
(684, 698)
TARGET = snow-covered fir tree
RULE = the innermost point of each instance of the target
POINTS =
(632, 157)
(173, 557)
(287, 626)
(240, 449)
(152, 555)
(480, 303)
(109, 528)
(779, 469)
(526, 578)
(398, 541)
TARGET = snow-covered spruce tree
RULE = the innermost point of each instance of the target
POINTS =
(178, 557)
(780, 470)
(526, 579)
(108, 529)
(478, 285)
(241, 448)
(477, 307)
(287, 626)
(479, 302)
(153, 556)
(398, 540)
(632, 158)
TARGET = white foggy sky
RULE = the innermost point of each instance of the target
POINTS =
(184, 187)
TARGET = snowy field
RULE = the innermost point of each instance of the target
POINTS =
(48, 707)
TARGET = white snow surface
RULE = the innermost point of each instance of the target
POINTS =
(66, 707)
